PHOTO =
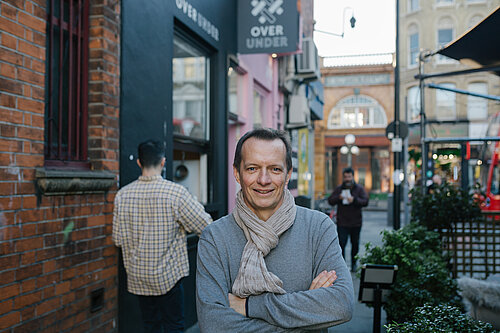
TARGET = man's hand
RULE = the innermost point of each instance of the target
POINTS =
(350, 199)
(323, 280)
(237, 304)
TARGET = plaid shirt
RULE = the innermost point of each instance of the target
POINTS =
(150, 220)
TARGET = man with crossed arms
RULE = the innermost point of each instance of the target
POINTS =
(270, 266)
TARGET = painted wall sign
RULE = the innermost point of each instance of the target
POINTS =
(268, 26)
(357, 80)
(191, 12)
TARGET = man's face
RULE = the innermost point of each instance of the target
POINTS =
(348, 179)
(262, 175)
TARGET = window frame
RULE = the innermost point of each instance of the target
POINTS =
(440, 92)
(371, 106)
(75, 153)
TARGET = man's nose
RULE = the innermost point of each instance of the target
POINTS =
(264, 177)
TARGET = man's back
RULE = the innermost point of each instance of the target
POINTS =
(152, 217)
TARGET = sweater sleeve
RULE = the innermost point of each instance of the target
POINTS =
(212, 302)
(312, 309)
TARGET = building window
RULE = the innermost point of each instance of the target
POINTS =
(67, 67)
(477, 107)
(191, 96)
(234, 90)
(445, 103)
(444, 2)
(413, 104)
(414, 47)
(413, 5)
(444, 36)
(357, 111)
(258, 108)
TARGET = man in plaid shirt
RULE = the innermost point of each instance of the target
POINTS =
(151, 219)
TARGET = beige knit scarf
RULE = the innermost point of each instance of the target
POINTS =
(262, 236)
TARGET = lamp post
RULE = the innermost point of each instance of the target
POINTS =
(349, 148)
(352, 21)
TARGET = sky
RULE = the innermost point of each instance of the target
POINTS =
(374, 32)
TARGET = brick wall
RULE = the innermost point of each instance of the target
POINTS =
(54, 250)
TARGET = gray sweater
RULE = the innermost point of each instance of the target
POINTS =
(306, 249)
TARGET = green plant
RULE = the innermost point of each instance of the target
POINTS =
(441, 318)
(422, 274)
(444, 206)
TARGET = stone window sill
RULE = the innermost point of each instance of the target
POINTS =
(68, 182)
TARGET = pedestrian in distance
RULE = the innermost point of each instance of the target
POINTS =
(350, 198)
(270, 266)
(152, 217)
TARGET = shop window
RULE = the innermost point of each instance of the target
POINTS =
(66, 100)
(357, 111)
(234, 89)
(445, 103)
(477, 107)
(413, 104)
(191, 95)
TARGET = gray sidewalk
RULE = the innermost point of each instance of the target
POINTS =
(374, 222)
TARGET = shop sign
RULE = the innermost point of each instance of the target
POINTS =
(192, 13)
(268, 26)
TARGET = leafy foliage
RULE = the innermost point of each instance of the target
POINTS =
(443, 207)
(441, 318)
(422, 274)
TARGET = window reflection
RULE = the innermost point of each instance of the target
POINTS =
(190, 95)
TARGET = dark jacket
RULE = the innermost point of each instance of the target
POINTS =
(349, 215)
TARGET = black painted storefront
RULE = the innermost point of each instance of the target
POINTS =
(146, 104)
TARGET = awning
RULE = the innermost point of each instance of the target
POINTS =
(480, 46)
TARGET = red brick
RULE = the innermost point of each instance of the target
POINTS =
(32, 215)
(49, 266)
(6, 248)
(10, 86)
(29, 202)
(48, 253)
(9, 11)
(10, 233)
(9, 291)
(6, 306)
(8, 71)
(9, 41)
(11, 145)
(30, 160)
(11, 27)
(7, 131)
(28, 258)
(27, 187)
(8, 101)
(49, 292)
(28, 285)
(47, 280)
(95, 220)
(32, 22)
(10, 320)
(27, 299)
(27, 272)
(31, 50)
(8, 262)
(30, 105)
(63, 288)
(10, 57)
(7, 188)
(28, 314)
(31, 77)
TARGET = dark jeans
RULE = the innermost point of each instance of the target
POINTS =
(344, 234)
(163, 313)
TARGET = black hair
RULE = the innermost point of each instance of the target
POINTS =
(150, 153)
(348, 170)
(268, 134)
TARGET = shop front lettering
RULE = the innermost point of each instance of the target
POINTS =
(191, 12)
(261, 42)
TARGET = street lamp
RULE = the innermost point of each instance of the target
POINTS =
(349, 149)
(352, 21)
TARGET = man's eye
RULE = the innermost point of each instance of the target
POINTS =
(277, 169)
(251, 169)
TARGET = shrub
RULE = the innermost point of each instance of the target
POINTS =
(444, 206)
(422, 275)
(441, 318)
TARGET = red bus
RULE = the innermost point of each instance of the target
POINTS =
(490, 171)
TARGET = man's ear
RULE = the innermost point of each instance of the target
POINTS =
(163, 162)
(288, 176)
(139, 163)
(236, 174)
